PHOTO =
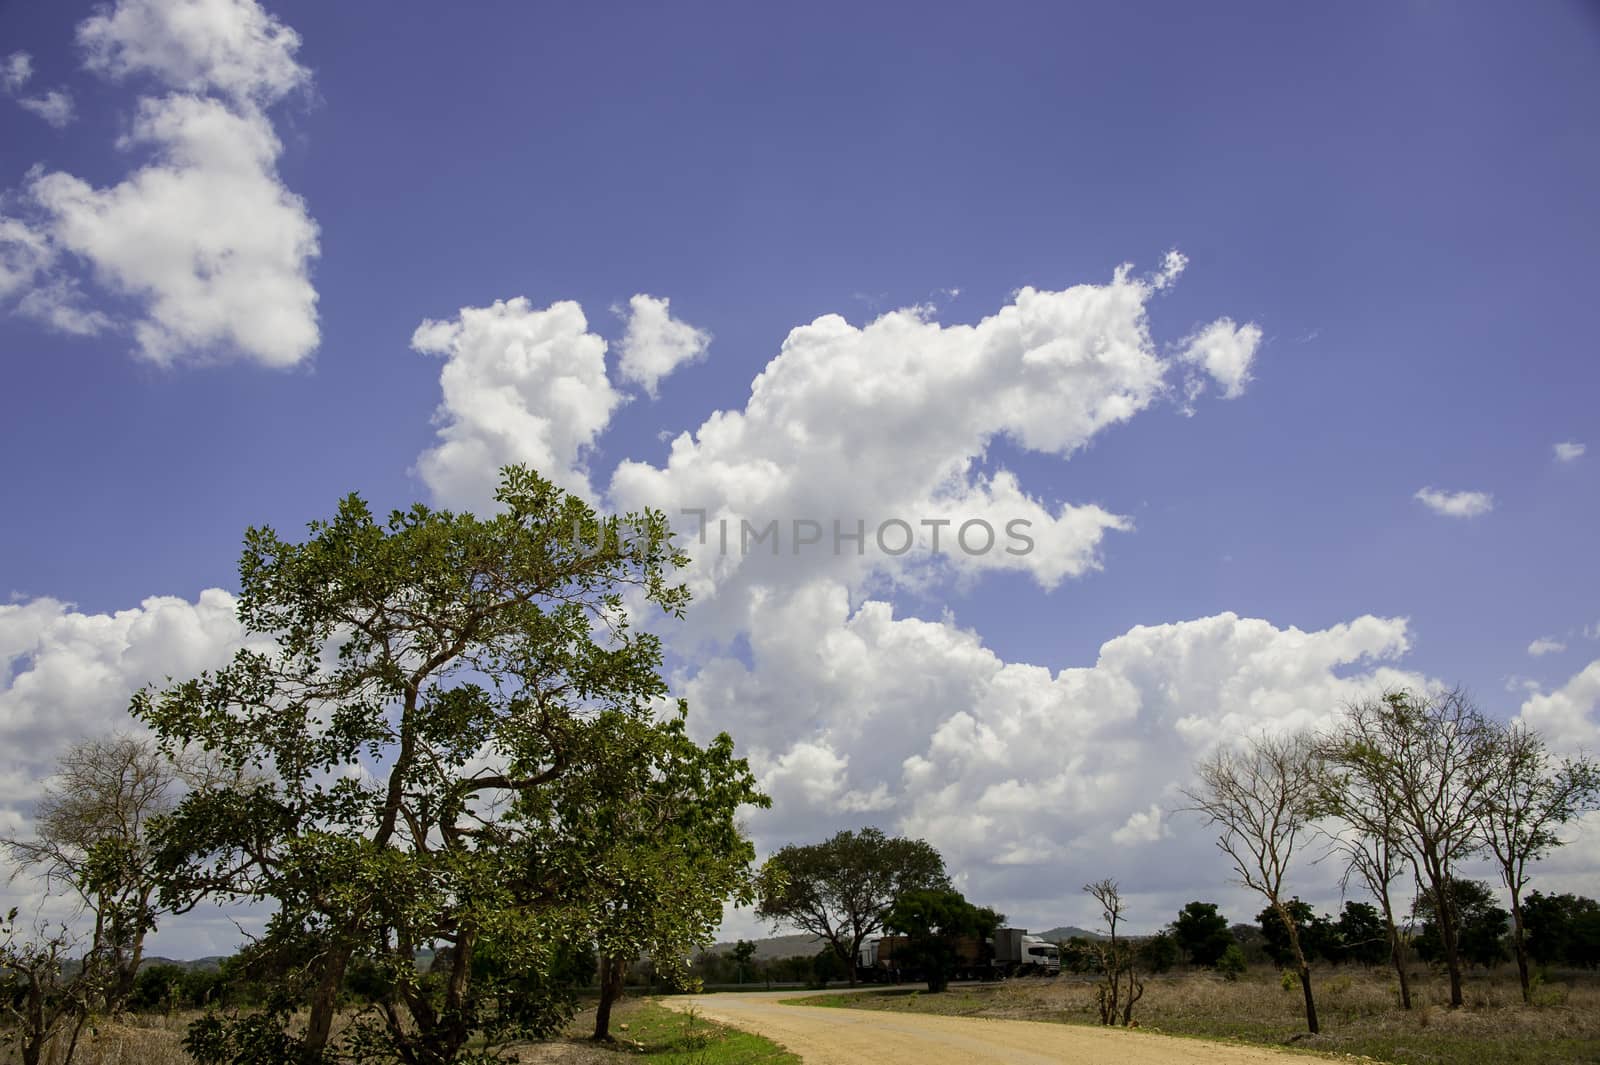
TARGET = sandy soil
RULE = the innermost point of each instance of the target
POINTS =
(823, 1036)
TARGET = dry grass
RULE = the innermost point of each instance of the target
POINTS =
(141, 1040)
(643, 1029)
(1357, 1009)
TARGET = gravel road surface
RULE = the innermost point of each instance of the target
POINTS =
(830, 1036)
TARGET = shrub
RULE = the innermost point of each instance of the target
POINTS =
(1231, 964)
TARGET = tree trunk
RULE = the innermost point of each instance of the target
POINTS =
(612, 972)
(325, 1003)
(459, 1027)
(1444, 909)
(1397, 956)
(33, 1035)
(1452, 952)
(1301, 963)
(1311, 1006)
(1519, 943)
(1396, 951)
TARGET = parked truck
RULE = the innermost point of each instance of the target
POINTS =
(1010, 952)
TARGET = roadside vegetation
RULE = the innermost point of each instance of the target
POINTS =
(1356, 1007)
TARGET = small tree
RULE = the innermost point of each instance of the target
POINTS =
(934, 923)
(744, 952)
(1232, 964)
(669, 850)
(1262, 798)
(1431, 759)
(841, 889)
(1358, 790)
(39, 999)
(1119, 987)
(1159, 952)
(1529, 798)
(92, 838)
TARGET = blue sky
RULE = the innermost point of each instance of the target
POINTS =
(1400, 197)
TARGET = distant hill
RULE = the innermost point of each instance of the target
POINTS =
(1068, 931)
(207, 965)
(776, 946)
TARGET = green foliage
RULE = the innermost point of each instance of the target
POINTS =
(157, 988)
(1361, 935)
(842, 888)
(1317, 936)
(445, 733)
(825, 967)
(933, 922)
(1159, 953)
(1201, 933)
(1562, 929)
(1231, 963)
(1481, 924)
(744, 952)
(1079, 956)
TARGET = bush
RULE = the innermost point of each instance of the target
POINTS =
(1231, 964)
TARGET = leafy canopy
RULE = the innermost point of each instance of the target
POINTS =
(454, 739)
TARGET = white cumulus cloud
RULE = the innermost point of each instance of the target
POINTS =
(1546, 645)
(656, 343)
(204, 236)
(891, 421)
(1225, 351)
(231, 47)
(1569, 451)
(519, 384)
(1029, 778)
(1455, 504)
(1568, 717)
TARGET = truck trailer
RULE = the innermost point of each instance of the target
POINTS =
(1010, 952)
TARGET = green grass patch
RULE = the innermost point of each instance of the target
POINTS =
(674, 1037)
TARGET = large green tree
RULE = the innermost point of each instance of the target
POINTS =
(409, 760)
(1201, 932)
(842, 888)
(1563, 929)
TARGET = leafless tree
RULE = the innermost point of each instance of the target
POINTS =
(1356, 793)
(1529, 797)
(1116, 959)
(91, 839)
(1263, 796)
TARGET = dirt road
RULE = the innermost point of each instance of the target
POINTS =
(823, 1036)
